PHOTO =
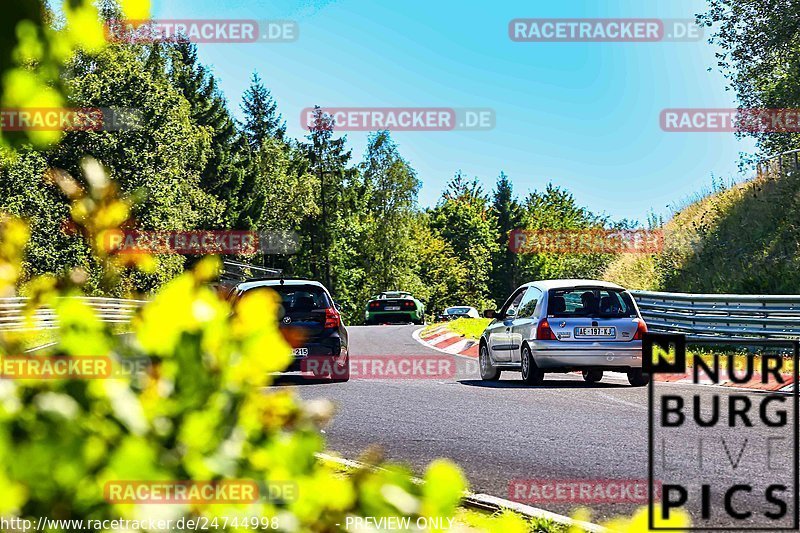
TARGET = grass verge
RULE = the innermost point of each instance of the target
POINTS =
(474, 519)
(506, 521)
(470, 328)
(738, 360)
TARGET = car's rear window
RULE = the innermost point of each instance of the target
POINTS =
(594, 302)
(301, 298)
(393, 296)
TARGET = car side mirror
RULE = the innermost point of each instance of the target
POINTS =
(511, 313)
(489, 313)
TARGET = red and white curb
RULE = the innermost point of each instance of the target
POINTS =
(443, 340)
(753, 384)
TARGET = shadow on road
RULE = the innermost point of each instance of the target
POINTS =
(288, 380)
(548, 384)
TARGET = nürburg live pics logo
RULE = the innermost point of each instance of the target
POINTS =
(727, 454)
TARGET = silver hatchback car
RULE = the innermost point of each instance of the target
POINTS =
(562, 326)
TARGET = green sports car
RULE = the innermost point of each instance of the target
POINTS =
(394, 306)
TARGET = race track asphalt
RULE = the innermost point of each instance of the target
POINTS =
(564, 429)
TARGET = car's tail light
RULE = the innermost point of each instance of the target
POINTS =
(543, 331)
(332, 318)
(641, 329)
(374, 305)
(408, 305)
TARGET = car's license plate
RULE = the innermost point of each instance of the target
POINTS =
(595, 332)
(299, 352)
(392, 308)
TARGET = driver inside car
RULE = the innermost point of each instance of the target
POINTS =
(591, 306)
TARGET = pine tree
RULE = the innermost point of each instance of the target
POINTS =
(508, 214)
(328, 162)
(262, 120)
(465, 220)
(222, 174)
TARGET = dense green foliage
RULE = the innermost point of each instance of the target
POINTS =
(195, 408)
(742, 238)
(190, 164)
(759, 54)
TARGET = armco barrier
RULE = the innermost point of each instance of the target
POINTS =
(109, 310)
(721, 316)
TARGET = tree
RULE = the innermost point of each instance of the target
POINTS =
(53, 247)
(760, 58)
(466, 222)
(388, 191)
(440, 275)
(157, 162)
(262, 120)
(556, 209)
(278, 197)
(33, 56)
(222, 173)
(328, 161)
(508, 214)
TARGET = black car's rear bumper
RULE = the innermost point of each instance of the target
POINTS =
(328, 347)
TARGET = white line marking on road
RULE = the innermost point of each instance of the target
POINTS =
(623, 402)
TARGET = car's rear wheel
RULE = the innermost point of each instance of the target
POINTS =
(638, 378)
(341, 370)
(592, 376)
(531, 374)
(488, 371)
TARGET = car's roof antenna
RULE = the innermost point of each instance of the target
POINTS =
(282, 280)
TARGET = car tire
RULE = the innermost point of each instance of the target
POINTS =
(487, 370)
(531, 374)
(342, 375)
(592, 376)
(638, 378)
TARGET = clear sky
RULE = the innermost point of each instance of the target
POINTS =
(582, 115)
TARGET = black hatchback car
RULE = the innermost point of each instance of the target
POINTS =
(311, 324)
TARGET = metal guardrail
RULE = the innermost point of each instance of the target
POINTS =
(729, 317)
(724, 317)
(234, 272)
(108, 310)
(13, 315)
